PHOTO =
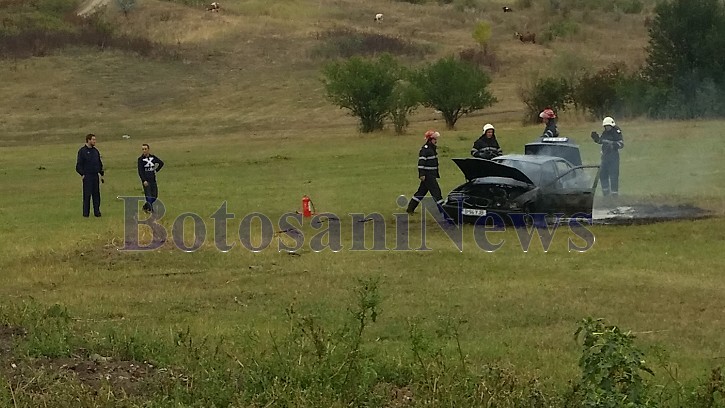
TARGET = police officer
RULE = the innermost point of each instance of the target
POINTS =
(89, 166)
(549, 118)
(148, 166)
(427, 172)
(611, 141)
(486, 146)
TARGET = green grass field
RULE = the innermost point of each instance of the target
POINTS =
(521, 308)
(249, 126)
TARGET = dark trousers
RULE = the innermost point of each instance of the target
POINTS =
(91, 190)
(430, 184)
(152, 193)
(609, 174)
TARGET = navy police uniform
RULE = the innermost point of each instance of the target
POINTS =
(90, 166)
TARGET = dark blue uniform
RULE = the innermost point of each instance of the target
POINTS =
(90, 166)
(611, 141)
(428, 167)
(551, 130)
(147, 169)
(486, 148)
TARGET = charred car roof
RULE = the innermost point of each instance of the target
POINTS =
(562, 147)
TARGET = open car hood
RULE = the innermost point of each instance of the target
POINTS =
(474, 168)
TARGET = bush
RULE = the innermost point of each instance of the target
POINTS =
(364, 87)
(47, 26)
(555, 93)
(485, 57)
(597, 93)
(404, 100)
(561, 29)
(455, 88)
(612, 367)
(347, 43)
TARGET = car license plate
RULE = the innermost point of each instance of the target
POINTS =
(474, 212)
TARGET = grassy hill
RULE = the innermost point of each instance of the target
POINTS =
(256, 64)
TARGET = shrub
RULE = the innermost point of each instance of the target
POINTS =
(404, 100)
(485, 57)
(364, 87)
(561, 29)
(612, 367)
(347, 43)
(455, 88)
(555, 93)
(598, 94)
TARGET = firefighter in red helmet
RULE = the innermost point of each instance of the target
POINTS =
(549, 118)
(427, 172)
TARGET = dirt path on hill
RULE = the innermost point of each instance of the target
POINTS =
(89, 6)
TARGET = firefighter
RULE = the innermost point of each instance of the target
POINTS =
(148, 166)
(486, 146)
(89, 166)
(611, 141)
(549, 118)
(427, 172)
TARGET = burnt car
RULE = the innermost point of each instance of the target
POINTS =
(548, 179)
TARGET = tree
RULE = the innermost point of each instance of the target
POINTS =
(598, 93)
(685, 51)
(405, 99)
(455, 88)
(364, 87)
(553, 93)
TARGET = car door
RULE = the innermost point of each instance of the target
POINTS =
(549, 199)
(574, 188)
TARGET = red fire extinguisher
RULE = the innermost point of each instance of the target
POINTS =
(308, 208)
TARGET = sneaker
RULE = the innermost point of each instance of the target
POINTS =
(97, 215)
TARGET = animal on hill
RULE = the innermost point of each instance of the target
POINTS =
(528, 37)
(379, 17)
(507, 9)
(213, 7)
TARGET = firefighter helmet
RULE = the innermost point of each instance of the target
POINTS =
(547, 114)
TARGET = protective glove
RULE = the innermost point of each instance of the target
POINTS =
(489, 153)
(595, 137)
